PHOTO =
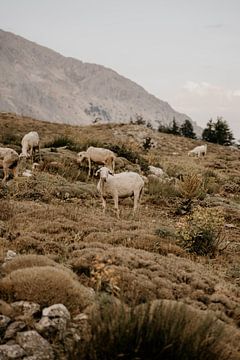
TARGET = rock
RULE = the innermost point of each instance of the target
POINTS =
(56, 310)
(35, 344)
(4, 321)
(54, 321)
(26, 308)
(8, 352)
(52, 327)
(6, 309)
(10, 255)
(13, 329)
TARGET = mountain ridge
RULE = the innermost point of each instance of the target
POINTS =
(39, 82)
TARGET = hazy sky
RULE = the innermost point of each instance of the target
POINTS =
(185, 52)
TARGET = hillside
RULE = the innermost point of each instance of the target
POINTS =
(135, 266)
(38, 82)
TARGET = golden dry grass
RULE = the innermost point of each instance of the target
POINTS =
(58, 213)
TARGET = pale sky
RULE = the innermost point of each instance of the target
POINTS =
(185, 52)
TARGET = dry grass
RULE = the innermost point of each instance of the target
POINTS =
(45, 285)
(58, 213)
(161, 329)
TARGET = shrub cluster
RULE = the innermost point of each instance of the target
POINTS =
(201, 232)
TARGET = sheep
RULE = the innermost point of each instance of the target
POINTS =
(198, 150)
(120, 185)
(30, 142)
(98, 155)
(158, 172)
(9, 160)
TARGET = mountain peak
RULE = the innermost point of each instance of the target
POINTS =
(39, 82)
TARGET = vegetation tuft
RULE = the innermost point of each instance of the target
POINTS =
(159, 330)
(202, 231)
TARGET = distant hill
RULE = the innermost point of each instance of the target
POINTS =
(39, 82)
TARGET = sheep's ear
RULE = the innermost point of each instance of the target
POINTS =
(97, 172)
(110, 172)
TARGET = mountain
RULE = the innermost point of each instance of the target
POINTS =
(39, 82)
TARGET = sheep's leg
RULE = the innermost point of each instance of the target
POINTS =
(15, 172)
(104, 204)
(6, 173)
(116, 205)
(39, 154)
(89, 166)
(135, 201)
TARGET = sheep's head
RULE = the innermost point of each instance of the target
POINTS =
(104, 172)
(24, 155)
(81, 156)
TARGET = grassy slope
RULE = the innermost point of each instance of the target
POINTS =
(58, 214)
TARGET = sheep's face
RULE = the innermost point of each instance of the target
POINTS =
(81, 156)
(104, 172)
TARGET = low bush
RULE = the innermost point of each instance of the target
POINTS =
(45, 285)
(157, 330)
(201, 232)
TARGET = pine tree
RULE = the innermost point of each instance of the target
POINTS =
(208, 133)
(175, 128)
(218, 132)
(186, 130)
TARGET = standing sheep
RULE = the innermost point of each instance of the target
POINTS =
(9, 162)
(98, 155)
(198, 150)
(30, 142)
(120, 185)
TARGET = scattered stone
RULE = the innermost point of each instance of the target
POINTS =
(35, 344)
(10, 255)
(4, 321)
(8, 352)
(13, 329)
(56, 310)
(26, 308)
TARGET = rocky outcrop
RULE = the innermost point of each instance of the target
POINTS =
(47, 335)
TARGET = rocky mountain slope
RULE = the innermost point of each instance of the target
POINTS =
(38, 82)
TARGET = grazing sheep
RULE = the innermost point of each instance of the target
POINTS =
(30, 142)
(198, 150)
(98, 155)
(9, 162)
(158, 172)
(120, 185)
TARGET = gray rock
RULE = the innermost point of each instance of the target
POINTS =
(10, 255)
(35, 344)
(57, 310)
(49, 327)
(13, 329)
(8, 352)
(26, 307)
(4, 321)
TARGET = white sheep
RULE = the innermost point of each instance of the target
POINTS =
(156, 171)
(198, 150)
(9, 160)
(98, 155)
(30, 142)
(120, 185)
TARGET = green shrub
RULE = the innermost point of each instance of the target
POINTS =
(202, 231)
(63, 141)
(130, 155)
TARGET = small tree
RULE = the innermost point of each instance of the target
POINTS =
(208, 133)
(175, 128)
(224, 135)
(186, 130)
(218, 132)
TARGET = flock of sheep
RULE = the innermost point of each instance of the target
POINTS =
(121, 185)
